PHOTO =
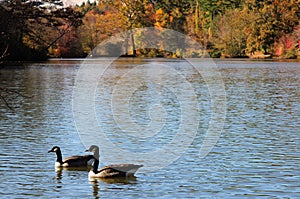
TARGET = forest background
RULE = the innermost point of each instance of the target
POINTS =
(40, 29)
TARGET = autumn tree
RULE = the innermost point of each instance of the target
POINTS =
(135, 14)
(89, 31)
(274, 18)
(176, 10)
(68, 46)
(229, 32)
(30, 28)
(288, 46)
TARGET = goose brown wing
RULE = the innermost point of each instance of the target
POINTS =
(78, 160)
(132, 168)
(109, 172)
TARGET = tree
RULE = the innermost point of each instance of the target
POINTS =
(30, 28)
(161, 18)
(176, 10)
(288, 45)
(89, 31)
(204, 15)
(229, 32)
(98, 24)
(69, 45)
(274, 18)
(133, 13)
(4, 54)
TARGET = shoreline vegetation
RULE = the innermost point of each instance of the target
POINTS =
(254, 29)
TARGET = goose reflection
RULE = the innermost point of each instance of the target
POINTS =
(60, 170)
(116, 180)
(57, 169)
(95, 189)
(58, 174)
(121, 180)
(58, 179)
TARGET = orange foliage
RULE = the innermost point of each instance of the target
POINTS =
(161, 19)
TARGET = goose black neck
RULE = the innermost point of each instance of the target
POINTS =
(95, 165)
(59, 156)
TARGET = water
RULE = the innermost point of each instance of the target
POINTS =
(257, 154)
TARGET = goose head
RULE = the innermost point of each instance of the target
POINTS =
(54, 149)
(94, 149)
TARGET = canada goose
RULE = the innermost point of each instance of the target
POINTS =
(72, 161)
(110, 171)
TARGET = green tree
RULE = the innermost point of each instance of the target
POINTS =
(204, 15)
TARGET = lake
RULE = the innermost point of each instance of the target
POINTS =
(159, 113)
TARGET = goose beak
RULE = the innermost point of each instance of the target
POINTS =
(49, 151)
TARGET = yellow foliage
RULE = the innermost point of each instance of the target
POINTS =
(161, 18)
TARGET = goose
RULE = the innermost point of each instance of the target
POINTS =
(110, 171)
(72, 161)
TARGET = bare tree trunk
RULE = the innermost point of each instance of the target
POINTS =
(4, 54)
(133, 44)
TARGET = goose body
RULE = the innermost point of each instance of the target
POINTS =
(72, 161)
(111, 171)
